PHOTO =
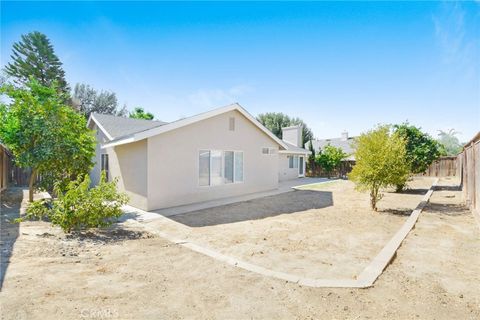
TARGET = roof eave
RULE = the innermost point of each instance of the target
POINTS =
(187, 121)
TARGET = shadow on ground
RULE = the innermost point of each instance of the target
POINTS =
(398, 212)
(447, 209)
(285, 203)
(109, 235)
(10, 201)
(413, 191)
(447, 188)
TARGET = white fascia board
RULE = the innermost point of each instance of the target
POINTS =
(294, 152)
(199, 117)
(105, 132)
(118, 142)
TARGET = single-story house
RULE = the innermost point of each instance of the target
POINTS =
(220, 153)
(345, 143)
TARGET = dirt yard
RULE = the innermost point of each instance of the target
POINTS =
(125, 273)
(323, 231)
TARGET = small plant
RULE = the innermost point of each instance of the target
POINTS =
(380, 162)
(80, 207)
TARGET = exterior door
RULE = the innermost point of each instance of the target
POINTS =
(301, 169)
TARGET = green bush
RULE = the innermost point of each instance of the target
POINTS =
(330, 158)
(78, 206)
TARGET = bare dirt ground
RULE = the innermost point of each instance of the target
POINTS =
(323, 231)
(125, 273)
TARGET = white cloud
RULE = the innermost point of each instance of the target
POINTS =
(457, 46)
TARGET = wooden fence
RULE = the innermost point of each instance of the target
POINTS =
(343, 169)
(443, 167)
(469, 162)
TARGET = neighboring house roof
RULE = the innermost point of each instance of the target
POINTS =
(345, 144)
(115, 127)
(161, 127)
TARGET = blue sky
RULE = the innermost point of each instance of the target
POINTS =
(337, 65)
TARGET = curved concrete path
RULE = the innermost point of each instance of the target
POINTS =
(366, 279)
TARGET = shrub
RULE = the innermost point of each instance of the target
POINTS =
(421, 149)
(380, 162)
(80, 207)
(330, 158)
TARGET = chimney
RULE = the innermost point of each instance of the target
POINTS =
(344, 136)
(293, 135)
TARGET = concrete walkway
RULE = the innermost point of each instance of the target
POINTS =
(284, 186)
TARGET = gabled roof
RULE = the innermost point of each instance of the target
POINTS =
(345, 144)
(138, 135)
(115, 127)
(293, 149)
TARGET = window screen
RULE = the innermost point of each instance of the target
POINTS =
(238, 166)
(104, 165)
(204, 167)
(228, 157)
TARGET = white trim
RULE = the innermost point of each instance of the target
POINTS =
(105, 132)
(303, 166)
(199, 117)
(306, 152)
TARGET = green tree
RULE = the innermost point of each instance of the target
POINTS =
(33, 56)
(275, 121)
(330, 158)
(45, 135)
(311, 157)
(421, 149)
(139, 113)
(381, 162)
(87, 100)
(450, 145)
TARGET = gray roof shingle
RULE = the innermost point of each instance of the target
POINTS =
(121, 126)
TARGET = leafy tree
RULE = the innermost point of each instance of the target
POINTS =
(45, 135)
(87, 100)
(33, 56)
(381, 161)
(421, 149)
(275, 121)
(311, 157)
(330, 158)
(139, 113)
(78, 206)
(450, 145)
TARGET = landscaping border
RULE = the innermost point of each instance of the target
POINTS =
(366, 278)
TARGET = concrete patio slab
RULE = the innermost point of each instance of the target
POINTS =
(284, 186)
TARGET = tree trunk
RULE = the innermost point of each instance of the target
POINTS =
(33, 176)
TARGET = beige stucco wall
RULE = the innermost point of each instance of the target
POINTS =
(284, 172)
(173, 161)
(128, 163)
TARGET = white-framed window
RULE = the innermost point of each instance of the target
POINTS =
(220, 167)
(292, 162)
(104, 165)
